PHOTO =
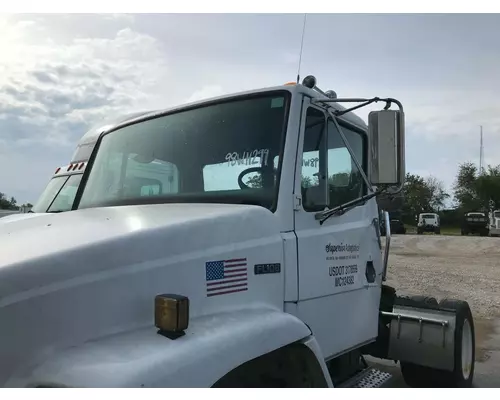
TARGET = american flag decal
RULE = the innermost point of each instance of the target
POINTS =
(226, 276)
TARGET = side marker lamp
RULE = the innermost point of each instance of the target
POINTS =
(171, 315)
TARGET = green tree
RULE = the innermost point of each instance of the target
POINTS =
(474, 191)
(422, 195)
(488, 188)
(7, 204)
(416, 195)
(465, 188)
(437, 193)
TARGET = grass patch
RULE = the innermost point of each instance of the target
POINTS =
(445, 230)
(449, 230)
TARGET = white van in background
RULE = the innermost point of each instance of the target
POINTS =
(495, 223)
(428, 222)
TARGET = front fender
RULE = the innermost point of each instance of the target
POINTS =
(213, 346)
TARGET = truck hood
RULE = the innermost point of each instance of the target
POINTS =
(74, 277)
(17, 217)
(38, 251)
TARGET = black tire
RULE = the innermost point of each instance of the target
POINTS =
(416, 376)
(463, 313)
(424, 377)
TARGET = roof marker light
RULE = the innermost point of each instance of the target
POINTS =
(331, 94)
(309, 81)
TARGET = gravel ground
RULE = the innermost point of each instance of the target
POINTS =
(461, 267)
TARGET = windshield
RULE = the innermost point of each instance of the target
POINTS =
(221, 153)
(428, 216)
(58, 195)
(496, 214)
(43, 203)
(66, 196)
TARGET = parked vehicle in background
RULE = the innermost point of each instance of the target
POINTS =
(428, 222)
(495, 223)
(397, 227)
(475, 222)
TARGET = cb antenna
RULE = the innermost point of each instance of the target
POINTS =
(301, 47)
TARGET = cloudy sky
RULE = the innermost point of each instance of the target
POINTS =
(60, 74)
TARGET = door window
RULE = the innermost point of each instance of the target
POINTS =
(325, 156)
(312, 161)
(345, 182)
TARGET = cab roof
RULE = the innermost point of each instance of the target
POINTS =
(106, 126)
(93, 133)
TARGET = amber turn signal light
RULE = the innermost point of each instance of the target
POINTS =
(171, 314)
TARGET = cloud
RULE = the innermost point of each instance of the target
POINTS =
(84, 79)
(205, 92)
(52, 92)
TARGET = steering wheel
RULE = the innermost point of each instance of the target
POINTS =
(246, 172)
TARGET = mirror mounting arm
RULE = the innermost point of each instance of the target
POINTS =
(388, 101)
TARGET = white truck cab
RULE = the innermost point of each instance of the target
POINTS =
(495, 223)
(242, 229)
(428, 222)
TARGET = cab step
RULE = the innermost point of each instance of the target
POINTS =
(369, 378)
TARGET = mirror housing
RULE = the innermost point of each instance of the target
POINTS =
(387, 148)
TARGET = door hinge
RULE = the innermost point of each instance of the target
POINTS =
(297, 202)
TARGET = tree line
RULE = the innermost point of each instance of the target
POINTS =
(10, 204)
(472, 190)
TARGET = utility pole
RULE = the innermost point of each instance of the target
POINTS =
(481, 151)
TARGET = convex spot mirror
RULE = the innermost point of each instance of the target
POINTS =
(387, 148)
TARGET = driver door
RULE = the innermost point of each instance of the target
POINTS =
(339, 260)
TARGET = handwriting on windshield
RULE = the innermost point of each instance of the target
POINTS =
(255, 157)
(311, 162)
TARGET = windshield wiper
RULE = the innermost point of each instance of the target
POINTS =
(342, 209)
